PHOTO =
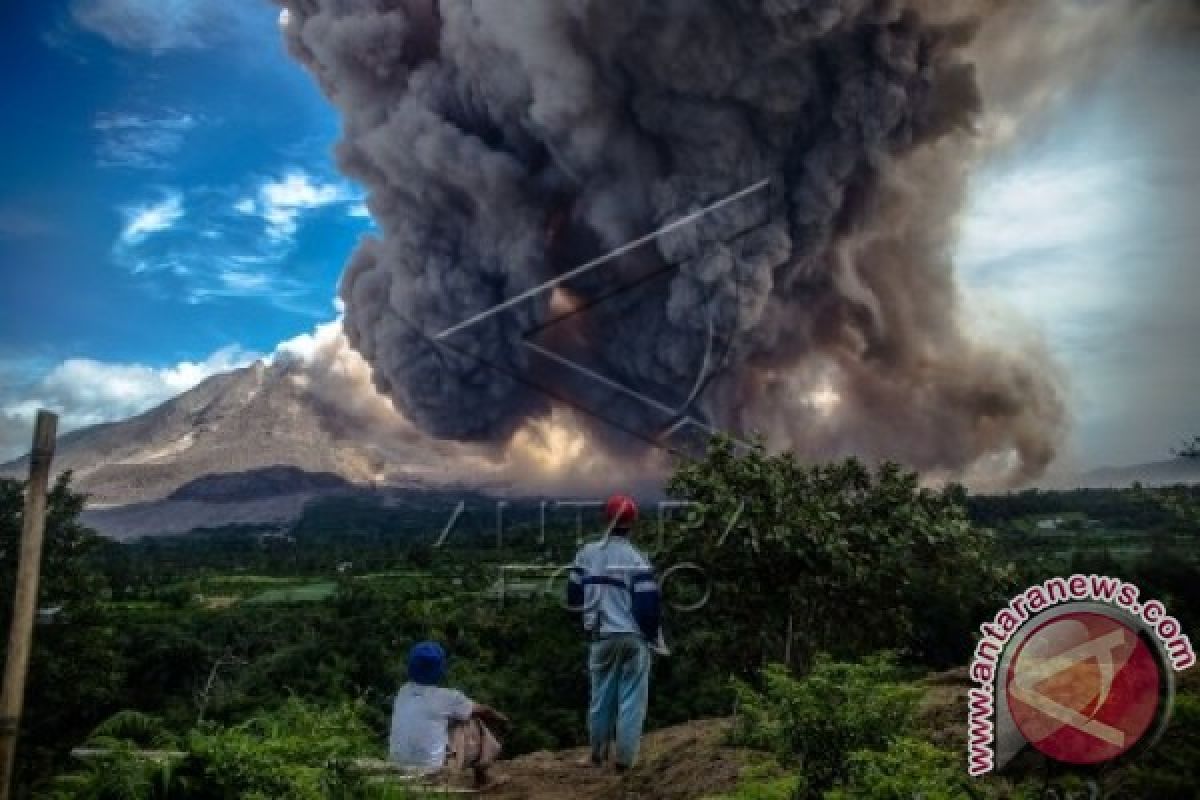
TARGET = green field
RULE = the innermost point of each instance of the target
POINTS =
(308, 593)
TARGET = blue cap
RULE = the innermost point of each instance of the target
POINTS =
(427, 663)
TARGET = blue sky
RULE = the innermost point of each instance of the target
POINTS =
(166, 188)
(1086, 234)
(127, 153)
(169, 208)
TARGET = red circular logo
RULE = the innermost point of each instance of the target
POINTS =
(1084, 688)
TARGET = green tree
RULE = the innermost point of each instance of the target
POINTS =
(1183, 502)
(803, 559)
(75, 670)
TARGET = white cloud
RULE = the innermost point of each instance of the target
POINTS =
(144, 221)
(134, 140)
(221, 249)
(232, 282)
(88, 392)
(233, 242)
(281, 202)
(1088, 232)
(245, 281)
(160, 26)
(1043, 236)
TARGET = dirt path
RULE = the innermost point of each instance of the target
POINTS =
(685, 762)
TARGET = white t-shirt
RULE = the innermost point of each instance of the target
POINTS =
(421, 719)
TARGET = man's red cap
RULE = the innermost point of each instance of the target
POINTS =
(620, 511)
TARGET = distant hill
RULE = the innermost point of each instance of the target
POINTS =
(1156, 473)
(266, 482)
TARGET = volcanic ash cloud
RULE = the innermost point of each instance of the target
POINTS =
(506, 142)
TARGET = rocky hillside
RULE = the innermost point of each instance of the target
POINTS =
(248, 446)
(235, 422)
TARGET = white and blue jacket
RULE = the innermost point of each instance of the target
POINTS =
(614, 587)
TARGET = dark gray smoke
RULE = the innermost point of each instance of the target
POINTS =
(506, 142)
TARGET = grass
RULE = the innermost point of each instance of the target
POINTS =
(309, 593)
(237, 581)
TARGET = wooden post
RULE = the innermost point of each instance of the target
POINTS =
(787, 645)
(20, 636)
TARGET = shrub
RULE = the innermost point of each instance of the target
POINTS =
(762, 787)
(1170, 769)
(296, 751)
(908, 768)
(814, 723)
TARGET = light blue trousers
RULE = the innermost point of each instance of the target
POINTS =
(620, 670)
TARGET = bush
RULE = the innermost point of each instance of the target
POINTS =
(1170, 769)
(295, 752)
(763, 787)
(908, 768)
(814, 723)
(283, 754)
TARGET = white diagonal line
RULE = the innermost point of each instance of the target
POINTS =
(607, 257)
(1027, 677)
(615, 386)
(1040, 669)
(1069, 716)
(596, 376)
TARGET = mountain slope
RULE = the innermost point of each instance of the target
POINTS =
(248, 446)
(239, 422)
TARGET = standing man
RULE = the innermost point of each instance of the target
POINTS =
(614, 587)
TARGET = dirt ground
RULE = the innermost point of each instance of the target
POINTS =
(692, 761)
(679, 763)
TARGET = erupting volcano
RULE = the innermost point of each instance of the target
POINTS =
(513, 151)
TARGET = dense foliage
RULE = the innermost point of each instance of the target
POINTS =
(76, 668)
(268, 658)
(297, 751)
(815, 723)
(829, 558)
(856, 732)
